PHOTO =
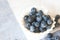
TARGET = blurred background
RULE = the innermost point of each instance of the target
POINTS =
(9, 27)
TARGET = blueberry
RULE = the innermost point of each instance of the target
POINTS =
(26, 17)
(33, 23)
(33, 11)
(49, 35)
(57, 17)
(45, 17)
(56, 38)
(43, 24)
(38, 19)
(56, 25)
(41, 29)
(32, 28)
(37, 24)
(48, 17)
(27, 25)
(37, 30)
(30, 19)
(40, 12)
(33, 16)
(49, 21)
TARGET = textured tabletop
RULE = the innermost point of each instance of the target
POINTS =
(9, 27)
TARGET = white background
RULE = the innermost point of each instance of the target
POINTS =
(20, 7)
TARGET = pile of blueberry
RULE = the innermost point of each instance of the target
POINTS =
(50, 36)
(37, 21)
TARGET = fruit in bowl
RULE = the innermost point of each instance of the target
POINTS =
(37, 21)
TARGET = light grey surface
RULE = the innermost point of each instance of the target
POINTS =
(9, 27)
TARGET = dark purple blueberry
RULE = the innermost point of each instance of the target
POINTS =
(49, 21)
(43, 24)
(38, 19)
(37, 24)
(50, 35)
(32, 28)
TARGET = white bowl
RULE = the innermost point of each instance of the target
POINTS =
(22, 7)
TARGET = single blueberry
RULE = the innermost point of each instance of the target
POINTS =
(43, 24)
(41, 29)
(57, 20)
(26, 18)
(37, 30)
(32, 28)
(48, 16)
(45, 17)
(49, 21)
(49, 35)
(33, 11)
(56, 25)
(40, 12)
(33, 23)
(33, 16)
(57, 17)
(30, 19)
(37, 24)
(38, 19)
(57, 38)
